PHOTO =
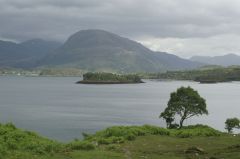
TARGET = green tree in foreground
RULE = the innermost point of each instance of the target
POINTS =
(232, 123)
(185, 102)
(168, 116)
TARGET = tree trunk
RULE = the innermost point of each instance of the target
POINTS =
(181, 123)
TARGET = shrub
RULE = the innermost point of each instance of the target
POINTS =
(113, 148)
(3, 151)
(196, 130)
(154, 130)
(81, 145)
(14, 139)
(119, 134)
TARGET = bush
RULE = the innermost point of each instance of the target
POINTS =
(3, 151)
(120, 134)
(196, 130)
(81, 145)
(111, 140)
(154, 130)
(14, 139)
(113, 148)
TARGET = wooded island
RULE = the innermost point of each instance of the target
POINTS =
(109, 78)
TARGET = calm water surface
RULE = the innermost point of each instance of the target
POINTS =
(58, 108)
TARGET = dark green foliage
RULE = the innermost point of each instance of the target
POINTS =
(232, 123)
(185, 102)
(110, 78)
(173, 126)
(168, 116)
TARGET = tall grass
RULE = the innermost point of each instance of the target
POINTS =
(16, 140)
(18, 143)
(120, 134)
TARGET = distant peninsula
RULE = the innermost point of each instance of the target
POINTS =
(207, 74)
(109, 78)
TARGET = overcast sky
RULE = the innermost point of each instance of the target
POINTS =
(181, 27)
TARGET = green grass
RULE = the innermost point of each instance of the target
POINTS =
(121, 134)
(122, 142)
(96, 154)
(174, 147)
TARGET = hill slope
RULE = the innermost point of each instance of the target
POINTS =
(98, 50)
(26, 54)
(39, 48)
(225, 60)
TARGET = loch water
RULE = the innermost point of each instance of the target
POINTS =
(58, 108)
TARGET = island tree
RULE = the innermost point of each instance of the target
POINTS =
(186, 103)
(232, 123)
(102, 77)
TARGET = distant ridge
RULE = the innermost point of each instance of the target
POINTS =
(99, 50)
(225, 60)
(26, 54)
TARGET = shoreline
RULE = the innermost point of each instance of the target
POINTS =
(106, 82)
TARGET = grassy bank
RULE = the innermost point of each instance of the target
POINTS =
(119, 142)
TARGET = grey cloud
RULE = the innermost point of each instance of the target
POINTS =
(57, 19)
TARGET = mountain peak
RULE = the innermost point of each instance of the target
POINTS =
(99, 50)
(86, 38)
(92, 33)
(96, 31)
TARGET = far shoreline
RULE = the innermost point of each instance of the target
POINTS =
(106, 82)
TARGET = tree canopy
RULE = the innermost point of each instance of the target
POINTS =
(110, 77)
(232, 123)
(186, 103)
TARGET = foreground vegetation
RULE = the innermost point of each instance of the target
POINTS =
(109, 78)
(185, 103)
(123, 142)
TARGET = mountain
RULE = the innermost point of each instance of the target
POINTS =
(225, 60)
(40, 48)
(26, 54)
(98, 50)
